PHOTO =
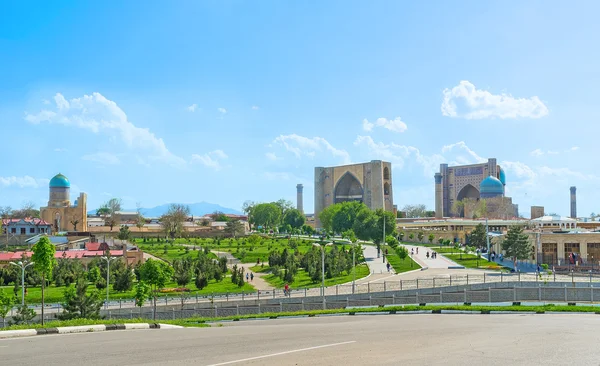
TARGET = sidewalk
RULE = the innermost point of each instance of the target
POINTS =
(439, 262)
(376, 265)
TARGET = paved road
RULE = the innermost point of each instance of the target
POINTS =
(359, 340)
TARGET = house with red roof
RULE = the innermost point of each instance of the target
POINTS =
(26, 227)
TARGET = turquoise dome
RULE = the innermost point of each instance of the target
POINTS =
(502, 176)
(60, 181)
(491, 186)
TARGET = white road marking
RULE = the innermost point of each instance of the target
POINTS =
(282, 353)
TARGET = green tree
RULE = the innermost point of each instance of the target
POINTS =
(6, 303)
(78, 303)
(294, 218)
(24, 314)
(44, 262)
(235, 228)
(415, 210)
(308, 230)
(345, 216)
(94, 274)
(123, 279)
(411, 236)
(477, 238)
(390, 224)
(420, 236)
(516, 244)
(156, 274)
(401, 235)
(219, 216)
(142, 293)
(326, 216)
(349, 234)
(182, 271)
(172, 221)
(267, 215)
(365, 226)
(430, 237)
(124, 233)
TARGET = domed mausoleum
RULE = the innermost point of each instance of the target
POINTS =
(60, 212)
(491, 187)
(463, 183)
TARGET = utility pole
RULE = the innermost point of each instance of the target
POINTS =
(383, 243)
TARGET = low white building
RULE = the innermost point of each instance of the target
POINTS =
(554, 222)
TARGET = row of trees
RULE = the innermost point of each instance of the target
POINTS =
(280, 214)
(356, 216)
(27, 210)
(286, 264)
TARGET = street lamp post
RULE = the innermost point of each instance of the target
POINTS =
(107, 259)
(383, 244)
(23, 266)
(323, 269)
(487, 238)
(354, 266)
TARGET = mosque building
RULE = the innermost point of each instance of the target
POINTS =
(60, 212)
(471, 183)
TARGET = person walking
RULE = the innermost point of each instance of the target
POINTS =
(251, 276)
(247, 276)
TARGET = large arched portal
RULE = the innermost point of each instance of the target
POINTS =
(467, 191)
(348, 188)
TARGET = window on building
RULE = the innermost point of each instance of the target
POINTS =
(572, 248)
(32, 230)
(23, 231)
(13, 230)
(593, 253)
(42, 230)
(386, 173)
(549, 253)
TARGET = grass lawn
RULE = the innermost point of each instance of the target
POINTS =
(173, 252)
(470, 261)
(302, 280)
(400, 265)
(55, 294)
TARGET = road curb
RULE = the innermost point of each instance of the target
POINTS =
(83, 329)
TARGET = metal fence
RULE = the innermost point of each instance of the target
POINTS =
(449, 289)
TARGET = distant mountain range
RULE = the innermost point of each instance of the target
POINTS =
(196, 209)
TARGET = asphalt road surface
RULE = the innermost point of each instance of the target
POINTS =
(349, 340)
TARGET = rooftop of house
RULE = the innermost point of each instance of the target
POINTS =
(27, 220)
(68, 254)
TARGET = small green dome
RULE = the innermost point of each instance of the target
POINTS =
(60, 181)
(491, 185)
(502, 176)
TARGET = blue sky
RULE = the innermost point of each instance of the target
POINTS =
(227, 101)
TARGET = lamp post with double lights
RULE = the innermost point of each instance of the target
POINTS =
(322, 268)
(108, 260)
(23, 266)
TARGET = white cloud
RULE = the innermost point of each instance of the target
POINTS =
(102, 158)
(471, 157)
(540, 152)
(480, 104)
(272, 156)
(255, 108)
(222, 110)
(300, 145)
(98, 114)
(23, 182)
(398, 155)
(192, 108)
(536, 152)
(45, 101)
(394, 125)
(212, 159)
(368, 126)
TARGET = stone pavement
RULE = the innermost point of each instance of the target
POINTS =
(376, 265)
(259, 283)
(439, 262)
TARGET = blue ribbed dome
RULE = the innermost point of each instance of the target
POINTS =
(491, 185)
(502, 176)
(60, 181)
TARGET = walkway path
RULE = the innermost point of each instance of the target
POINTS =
(259, 282)
(376, 265)
(421, 257)
(231, 260)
